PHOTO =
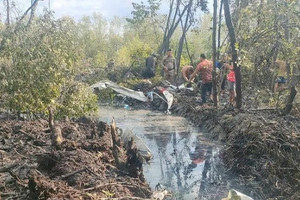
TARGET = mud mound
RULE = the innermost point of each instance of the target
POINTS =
(191, 109)
(90, 163)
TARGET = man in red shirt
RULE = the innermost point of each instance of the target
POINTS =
(205, 68)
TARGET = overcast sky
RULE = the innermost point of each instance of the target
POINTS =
(79, 8)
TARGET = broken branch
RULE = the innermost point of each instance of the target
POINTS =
(73, 173)
(8, 167)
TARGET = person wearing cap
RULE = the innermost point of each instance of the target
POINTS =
(151, 64)
(169, 66)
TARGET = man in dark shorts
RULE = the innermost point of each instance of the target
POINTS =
(281, 80)
(205, 68)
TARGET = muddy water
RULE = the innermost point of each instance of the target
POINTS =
(184, 161)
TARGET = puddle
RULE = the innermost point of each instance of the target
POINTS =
(184, 161)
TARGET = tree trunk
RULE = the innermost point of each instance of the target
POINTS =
(175, 15)
(56, 134)
(275, 50)
(237, 70)
(214, 55)
(219, 29)
(168, 21)
(188, 51)
(171, 31)
(255, 72)
(236, 14)
(34, 4)
(7, 13)
(33, 9)
(185, 28)
(289, 105)
(287, 38)
(258, 59)
(293, 92)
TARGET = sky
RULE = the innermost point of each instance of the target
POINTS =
(79, 8)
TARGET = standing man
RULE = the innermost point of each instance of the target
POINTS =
(205, 68)
(151, 63)
(231, 83)
(169, 66)
(221, 65)
(110, 65)
(281, 75)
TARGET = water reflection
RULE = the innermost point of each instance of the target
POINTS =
(182, 158)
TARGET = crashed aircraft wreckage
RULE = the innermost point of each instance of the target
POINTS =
(138, 95)
(121, 90)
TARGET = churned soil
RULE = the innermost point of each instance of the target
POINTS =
(90, 162)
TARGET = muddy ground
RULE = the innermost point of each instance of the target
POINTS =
(260, 145)
(90, 163)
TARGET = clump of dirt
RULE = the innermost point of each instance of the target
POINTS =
(90, 163)
(261, 146)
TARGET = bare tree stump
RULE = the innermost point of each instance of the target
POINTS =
(56, 135)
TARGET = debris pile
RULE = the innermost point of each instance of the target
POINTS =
(90, 163)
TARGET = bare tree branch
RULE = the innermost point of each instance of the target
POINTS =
(7, 12)
(34, 4)
(33, 9)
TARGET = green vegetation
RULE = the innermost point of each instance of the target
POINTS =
(50, 62)
(38, 69)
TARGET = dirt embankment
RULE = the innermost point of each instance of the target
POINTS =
(90, 163)
(260, 146)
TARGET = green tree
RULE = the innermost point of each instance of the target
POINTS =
(39, 61)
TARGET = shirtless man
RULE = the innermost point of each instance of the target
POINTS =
(186, 72)
(281, 75)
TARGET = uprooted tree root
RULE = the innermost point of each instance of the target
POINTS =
(91, 163)
(261, 147)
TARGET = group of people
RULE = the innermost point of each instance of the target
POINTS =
(188, 74)
(204, 68)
